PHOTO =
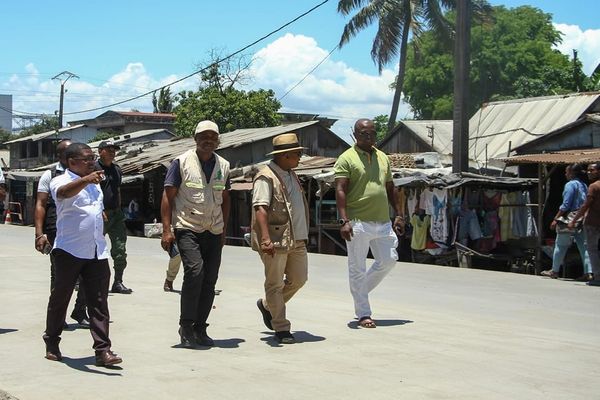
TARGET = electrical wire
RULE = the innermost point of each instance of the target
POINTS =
(310, 72)
(202, 69)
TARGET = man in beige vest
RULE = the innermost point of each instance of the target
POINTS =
(280, 232)
(196, 204)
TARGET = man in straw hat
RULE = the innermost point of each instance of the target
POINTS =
(196, 203)
(280, 232)
(364, 188)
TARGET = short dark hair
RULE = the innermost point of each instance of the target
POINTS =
(75, 149)
(595, 165)
(579, 171)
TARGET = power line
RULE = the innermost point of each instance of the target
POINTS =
(202, 69)
(309, 72)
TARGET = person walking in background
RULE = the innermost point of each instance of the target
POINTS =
(196, 203)
(114, 218)
(280, 232)
(573, 198)
(45, 228)
(591, 223)
(364, 188)
(80, 250)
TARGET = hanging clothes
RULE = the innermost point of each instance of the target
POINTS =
(411, 202)
(420, 226)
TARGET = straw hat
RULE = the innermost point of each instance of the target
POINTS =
(284, 143)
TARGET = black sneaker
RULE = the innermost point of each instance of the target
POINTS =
(118, 287)
(285, 337)
(82, 319)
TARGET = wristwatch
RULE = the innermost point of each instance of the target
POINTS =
(343, 221)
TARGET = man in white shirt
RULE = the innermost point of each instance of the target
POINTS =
(45, 227)
(80, 249)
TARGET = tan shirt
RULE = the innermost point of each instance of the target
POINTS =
(261, 196)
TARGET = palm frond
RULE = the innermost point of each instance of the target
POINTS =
(363, 18)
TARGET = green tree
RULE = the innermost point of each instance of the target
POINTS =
(381, 122)
(104, 135)
(5, 136)
(230, 110)
(46, 124)
(164, 103)
(219, 100)
(512, 56)
(397, 20)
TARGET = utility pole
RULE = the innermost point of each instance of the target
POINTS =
(63, 80)
(460, 128)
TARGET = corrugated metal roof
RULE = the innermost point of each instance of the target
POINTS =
(44, 135)
(161, 155)
(134, 135)
(522, 120)
(240, 137)
(442, 133)
(558, 157)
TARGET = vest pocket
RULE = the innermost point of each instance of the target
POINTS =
(276, 232)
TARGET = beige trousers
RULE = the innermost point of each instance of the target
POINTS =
(173, 268)
(285, 273)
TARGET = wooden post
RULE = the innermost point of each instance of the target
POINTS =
(460, 128)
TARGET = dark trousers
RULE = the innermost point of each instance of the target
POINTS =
(95, 277)
(79, 308)
(201, 258)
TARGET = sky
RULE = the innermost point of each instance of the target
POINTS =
(120, 49)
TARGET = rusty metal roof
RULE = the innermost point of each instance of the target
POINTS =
(585, 156)
(522, 120)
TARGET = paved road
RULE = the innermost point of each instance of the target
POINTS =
(444, 333)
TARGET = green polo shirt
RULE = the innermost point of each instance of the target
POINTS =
(368, 173)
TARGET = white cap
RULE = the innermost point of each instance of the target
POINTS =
(206, 125)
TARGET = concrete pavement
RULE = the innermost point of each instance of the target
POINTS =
(443, 333)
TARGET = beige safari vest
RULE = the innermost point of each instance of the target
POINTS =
(279, 218)
(198, 203)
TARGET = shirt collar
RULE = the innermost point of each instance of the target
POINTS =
(361, 151)
(59, 167)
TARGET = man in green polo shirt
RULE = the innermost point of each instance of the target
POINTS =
(364, 187)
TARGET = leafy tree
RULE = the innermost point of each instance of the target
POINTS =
(5, 136)
(218, 99)
(381, 122)
(104, 135)
(164, 103)
(512, 56)
(230, 110)
(46, 124)
(397, 20)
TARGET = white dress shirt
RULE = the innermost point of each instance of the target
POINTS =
(44, 183)
(79, 223)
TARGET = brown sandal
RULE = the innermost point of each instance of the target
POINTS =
(366, 322)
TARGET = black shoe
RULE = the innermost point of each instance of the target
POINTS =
(82, 320)
(203, 339)
(186, 333)
(594, 282)
(267, 317)
(285, 337)
(118, 287)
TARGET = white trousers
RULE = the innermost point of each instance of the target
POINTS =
(381, 238)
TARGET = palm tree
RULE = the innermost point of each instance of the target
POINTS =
(397, 20)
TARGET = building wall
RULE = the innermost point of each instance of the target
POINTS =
(584, 136)
(404, 141)
(6, 112)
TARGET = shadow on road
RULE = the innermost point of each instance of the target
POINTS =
(381, 322)
(81, 364)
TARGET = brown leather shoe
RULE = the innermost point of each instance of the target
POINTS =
(107, 358)
(168, 286)
(53, 354)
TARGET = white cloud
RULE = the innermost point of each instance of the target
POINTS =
(587, 43)
(34, 93)
(333, 89)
